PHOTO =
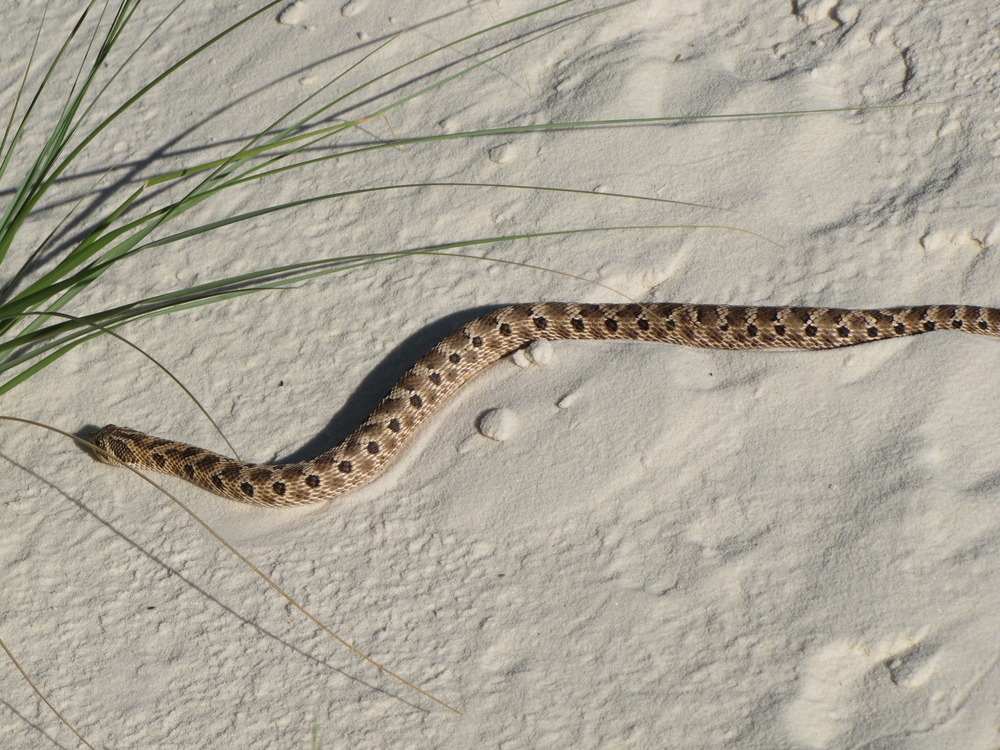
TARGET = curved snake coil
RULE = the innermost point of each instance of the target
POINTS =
(477, 345)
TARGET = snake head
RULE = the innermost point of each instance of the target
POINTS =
(110, 450)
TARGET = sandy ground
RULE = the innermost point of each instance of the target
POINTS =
(672, 547)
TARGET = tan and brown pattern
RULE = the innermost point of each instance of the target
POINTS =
(477, 345)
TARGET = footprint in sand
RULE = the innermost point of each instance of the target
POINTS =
(853, 692)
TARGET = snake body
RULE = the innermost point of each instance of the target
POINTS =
(477, 345)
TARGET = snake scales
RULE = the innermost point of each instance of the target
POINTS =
(477, 345)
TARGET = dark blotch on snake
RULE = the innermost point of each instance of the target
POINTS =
(247, 489)
(611, 324)
(811, 330)
(779, 329)
(373, 447)
(930, 325)
(313, 481)
(477, 341)
(435, 378)
(578, 324)
(217, 481)
(643, 324)
(454, 358)
(751, 330)
(279, 488)
(956, 323)
(505, 329)
(345, 466)
(843, 332)
(416, 401)
(872, 331)
(394, 425)
(160, 460)
(541, 323)
(899, 328)
(189, 470)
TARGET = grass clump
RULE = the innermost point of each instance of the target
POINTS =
(50, 290)
(42, 286)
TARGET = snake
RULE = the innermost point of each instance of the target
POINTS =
(456, 359)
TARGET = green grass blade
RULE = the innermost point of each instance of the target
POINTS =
(24, 187)
(9, 152)
(35, 294)
(31, 200)
(326, 132)
(293, 273)
(18, 275)
(98, 328)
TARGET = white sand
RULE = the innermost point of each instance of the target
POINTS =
(670, 547)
